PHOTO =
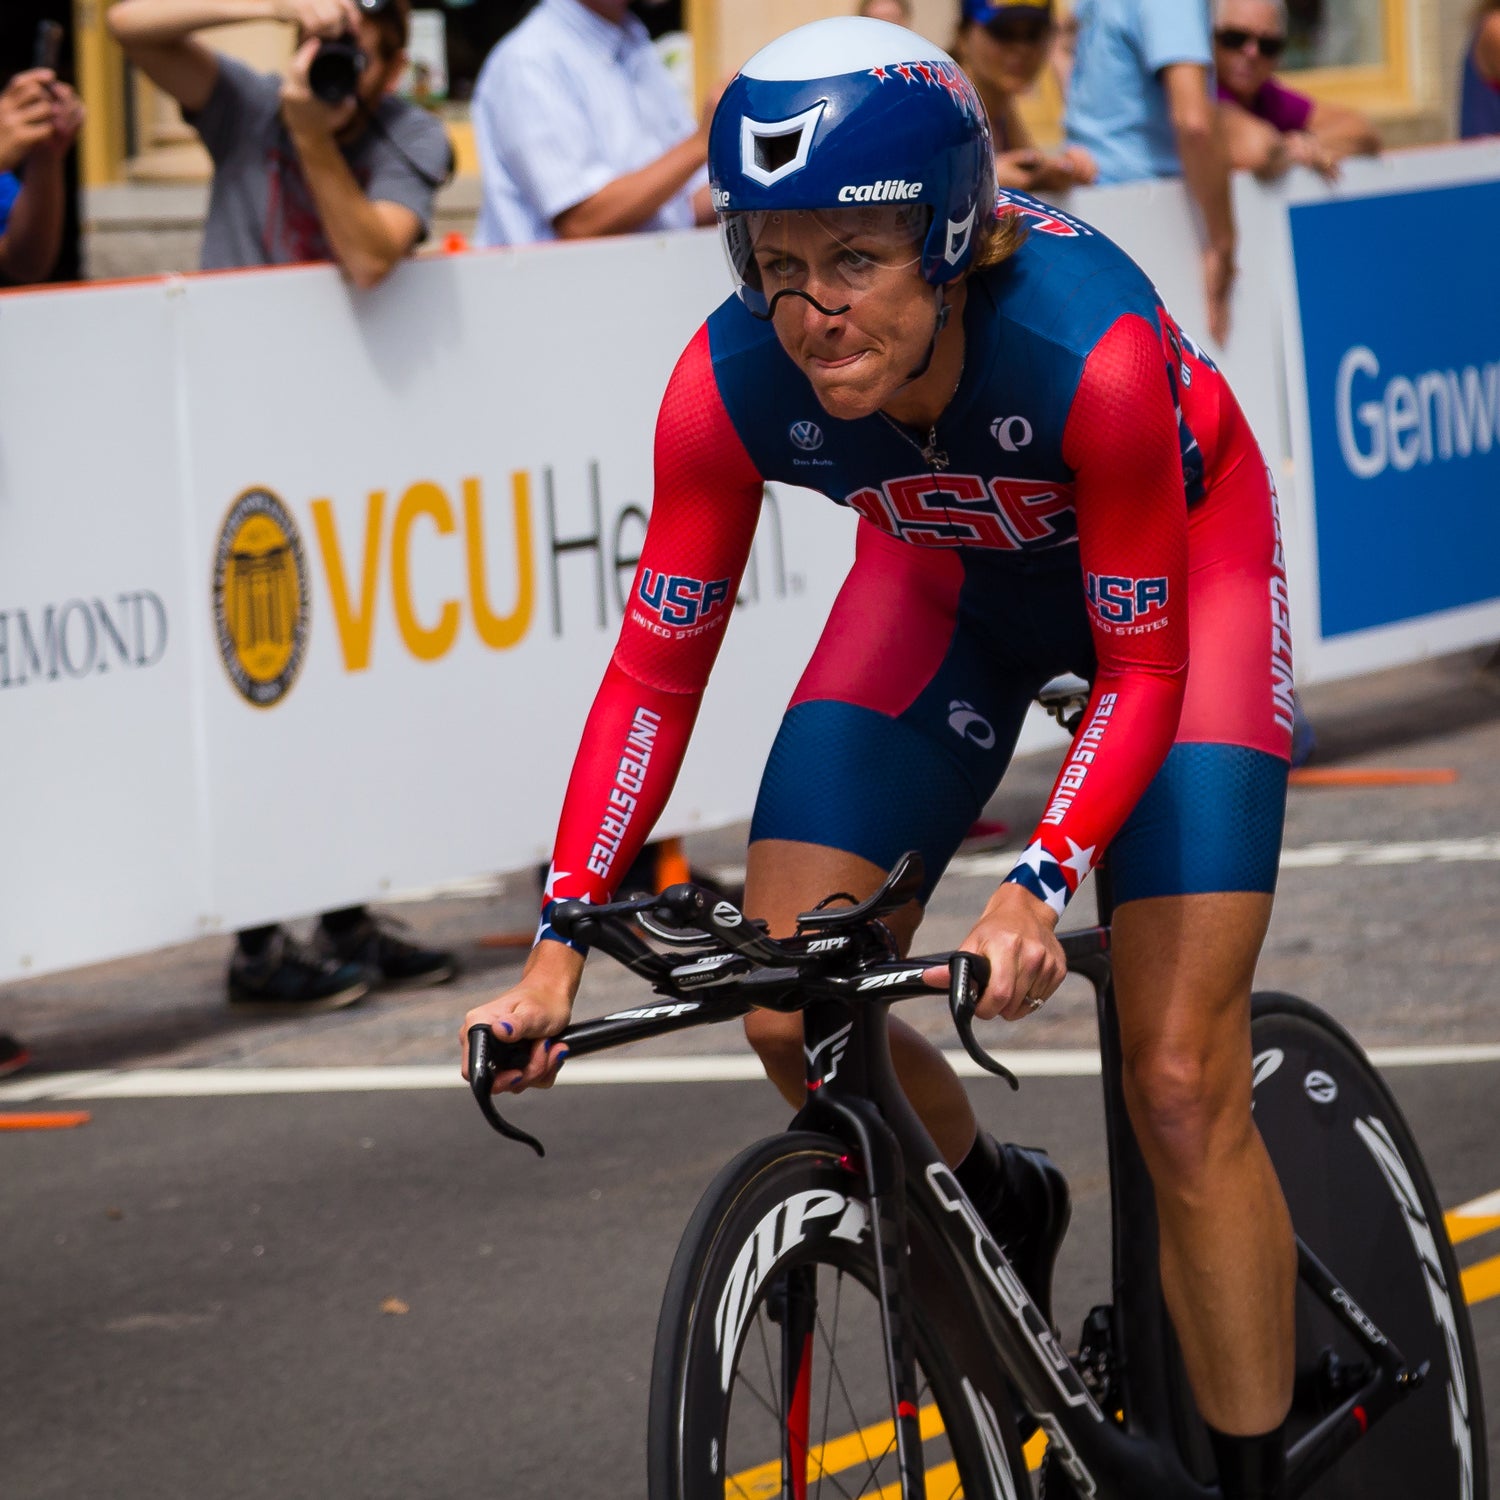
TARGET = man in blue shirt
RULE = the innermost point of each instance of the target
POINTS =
(581, 131)
(1141, 103)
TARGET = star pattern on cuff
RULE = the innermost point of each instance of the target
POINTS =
(545, 932)
(1038, 872)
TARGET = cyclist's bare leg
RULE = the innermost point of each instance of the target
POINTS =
(783, 879)
(1183, 970)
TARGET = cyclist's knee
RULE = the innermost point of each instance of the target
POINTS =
(775, 1035)
(1188, 1112)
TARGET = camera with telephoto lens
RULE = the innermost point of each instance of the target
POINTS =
(336, 67)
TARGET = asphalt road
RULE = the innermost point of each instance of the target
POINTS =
(352, 1296)
(193, 1289)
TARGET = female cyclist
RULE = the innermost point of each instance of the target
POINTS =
(1050, 477)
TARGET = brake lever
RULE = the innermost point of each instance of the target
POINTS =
(968, 974)
(489, 1056)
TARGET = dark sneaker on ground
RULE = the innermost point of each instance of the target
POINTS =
(390, 961)
(13, 1055)
(285, 976)
(1028, 1215)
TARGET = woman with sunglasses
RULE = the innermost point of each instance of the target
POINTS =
(1269, 127)
(1003, 47)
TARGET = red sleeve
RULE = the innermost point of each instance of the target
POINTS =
(703, 518)
(1122, 443)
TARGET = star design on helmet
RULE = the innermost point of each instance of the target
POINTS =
(925, 71)
(1080, 861)
(879, 73)
(903, 70)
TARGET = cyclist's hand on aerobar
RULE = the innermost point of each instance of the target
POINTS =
(539, 1007)
(1026, 960)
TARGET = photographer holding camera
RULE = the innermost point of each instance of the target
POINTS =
(324, 163)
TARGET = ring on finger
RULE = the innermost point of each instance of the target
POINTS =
(1034, 1002)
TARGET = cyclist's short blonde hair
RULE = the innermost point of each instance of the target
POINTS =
(999, 239)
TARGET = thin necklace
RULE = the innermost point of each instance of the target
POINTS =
(934, 457)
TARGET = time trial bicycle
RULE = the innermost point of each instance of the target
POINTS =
(839, 1321)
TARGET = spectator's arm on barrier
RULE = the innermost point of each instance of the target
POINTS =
(369, 238)
(1205, 169)
(33, 236)
(626, 203)
(1343, 131)
(1254, 145)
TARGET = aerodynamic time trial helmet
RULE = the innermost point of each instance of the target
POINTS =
(855, 120)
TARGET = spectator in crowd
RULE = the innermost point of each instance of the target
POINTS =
(1139, 102)
(581, 131)
(1479, 97)
(1269, 127)
(1003, 46)
(299, 179)
(897, 12)
(39, 121)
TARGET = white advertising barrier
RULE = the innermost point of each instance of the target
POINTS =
(99, 599)
(466, 459)
(365, 557)
(1392, 321)
(304, 593)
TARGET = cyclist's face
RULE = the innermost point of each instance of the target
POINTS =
(874, 320)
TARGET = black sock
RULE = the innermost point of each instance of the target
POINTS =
(1250, 1468)
(981, 1174)
(340, 923)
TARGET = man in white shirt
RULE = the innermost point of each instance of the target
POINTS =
(581, 131)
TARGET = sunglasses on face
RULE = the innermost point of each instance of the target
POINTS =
(1269, 47)
(1028, 30)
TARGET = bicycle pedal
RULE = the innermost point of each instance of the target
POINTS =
(1096, 1357)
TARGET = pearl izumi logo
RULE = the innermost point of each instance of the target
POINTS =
(260, 598)
(892, 190)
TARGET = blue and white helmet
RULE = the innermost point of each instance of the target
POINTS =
(850, 112)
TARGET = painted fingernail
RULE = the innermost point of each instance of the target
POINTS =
(562, 1057)
(509, 1029)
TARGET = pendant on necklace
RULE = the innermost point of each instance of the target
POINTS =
(934, 456)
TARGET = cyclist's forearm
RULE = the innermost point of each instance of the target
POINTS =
(633, 746)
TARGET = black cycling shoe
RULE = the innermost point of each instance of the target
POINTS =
(1027, 1208)
(391, 961)
(278, 975)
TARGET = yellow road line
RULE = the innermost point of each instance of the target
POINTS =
(832, 1457)
(1482, 1281)
(942, 1484)
(1469, 1220)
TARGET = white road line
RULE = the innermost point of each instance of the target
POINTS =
(1310, 857)
(998, 862)
(202, 1083)
(1486, 1207)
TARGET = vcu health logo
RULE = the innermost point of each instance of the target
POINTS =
(260, 598)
